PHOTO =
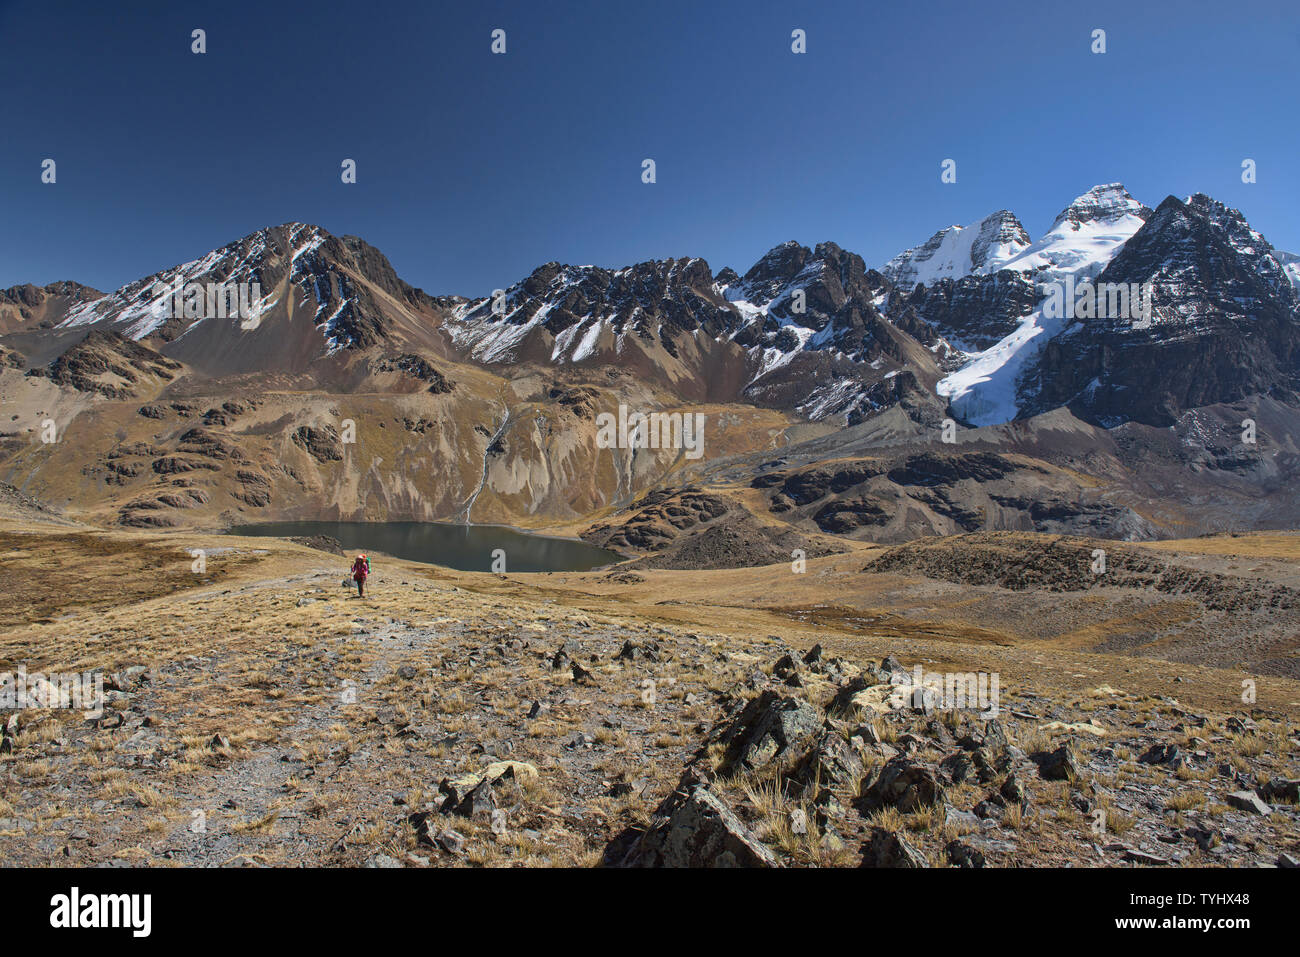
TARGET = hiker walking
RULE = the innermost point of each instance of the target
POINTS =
(360, 572)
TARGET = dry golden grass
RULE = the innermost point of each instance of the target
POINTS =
(1119, 822)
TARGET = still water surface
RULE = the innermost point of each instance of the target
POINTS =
(464, 547)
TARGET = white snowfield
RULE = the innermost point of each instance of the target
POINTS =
(983, 391)
(1082, 240)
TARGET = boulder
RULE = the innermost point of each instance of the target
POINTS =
(833, 761)
(478, 801)
(784, 667)
(1160, 754)
(695, 828)
(956, 767)
(886, 848)
(1014, 792)
(1282, 790)
(769, 728)
(1058, 765)
(963, 855)
(904, 784)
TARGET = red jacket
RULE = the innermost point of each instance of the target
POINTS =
(360, 569)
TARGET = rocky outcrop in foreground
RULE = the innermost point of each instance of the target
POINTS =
(882, 775)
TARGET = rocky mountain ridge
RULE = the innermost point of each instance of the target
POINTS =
(488, 406)
(811, 331)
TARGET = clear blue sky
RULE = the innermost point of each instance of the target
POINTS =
(474, 168)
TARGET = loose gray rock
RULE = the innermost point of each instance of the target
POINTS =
(1142, 857)
(1248, 801)
(453, 842)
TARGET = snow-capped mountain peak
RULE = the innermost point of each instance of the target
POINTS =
(302, 293)
(958, 251)
(144, 307)
(959, 318)
(1107, 203)
(1084, 236)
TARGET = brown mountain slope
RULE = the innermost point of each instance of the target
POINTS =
(417, 438)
